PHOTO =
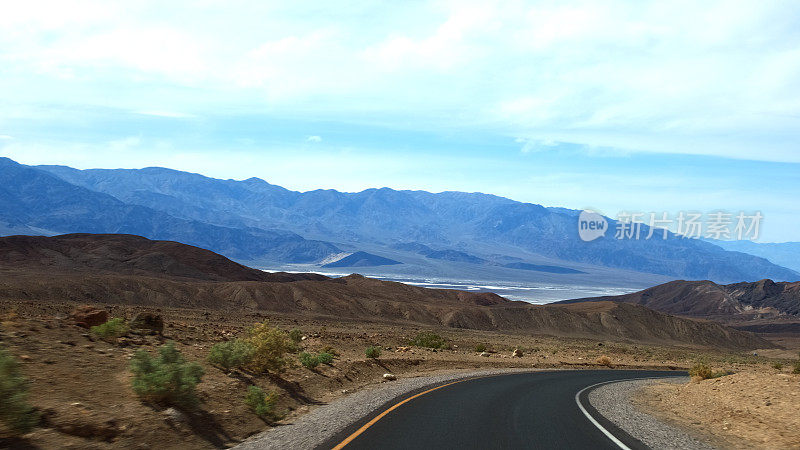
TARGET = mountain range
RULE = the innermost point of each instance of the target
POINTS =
(257, 222)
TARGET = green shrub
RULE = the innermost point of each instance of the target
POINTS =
(480, 348)
(308, 360)
(330, 350)
(15, 412)
(112, 329)
(373, 351)
(269, 347)
(166, 379)
(296, 336)
(777, 366)
(796, 367)
(429, 340)
(231, 354)
(261, 403)
(325, 358)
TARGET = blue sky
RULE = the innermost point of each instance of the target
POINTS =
(628, 105)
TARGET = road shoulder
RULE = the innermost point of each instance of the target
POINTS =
(613, 402)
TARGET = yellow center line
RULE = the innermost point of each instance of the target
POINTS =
(372, 422)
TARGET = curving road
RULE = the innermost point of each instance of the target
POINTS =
(522, 410)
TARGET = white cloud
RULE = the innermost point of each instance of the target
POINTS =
(314, 139)
(716, 77)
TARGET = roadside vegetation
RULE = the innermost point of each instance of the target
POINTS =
(429, 339)
(231, 354)
(270, 346)
(15, 412)
(110, 330)
(704, 372)
(166, 379)
(373, 351)
(261, 403)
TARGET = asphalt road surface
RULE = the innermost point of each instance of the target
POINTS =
(514, 411)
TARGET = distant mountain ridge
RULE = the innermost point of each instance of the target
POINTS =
(253, 220)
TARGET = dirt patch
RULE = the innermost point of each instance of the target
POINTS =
(753, 409)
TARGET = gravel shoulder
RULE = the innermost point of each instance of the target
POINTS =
(613, 401)
(324, 422)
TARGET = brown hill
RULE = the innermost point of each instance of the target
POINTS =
(125, 254)
(140, 272)
(763, 305)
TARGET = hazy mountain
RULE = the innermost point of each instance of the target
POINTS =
(786, 254)
(361, 259)
(446, 221)
(32, 199)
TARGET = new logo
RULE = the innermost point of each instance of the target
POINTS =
(591, 225)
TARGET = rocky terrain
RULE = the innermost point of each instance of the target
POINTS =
(763, 306)
(129, 270)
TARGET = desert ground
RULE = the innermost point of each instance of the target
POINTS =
(80, 384)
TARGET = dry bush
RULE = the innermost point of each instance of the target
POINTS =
(604, 361)
(269, 344)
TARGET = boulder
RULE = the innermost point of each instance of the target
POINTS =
(147, 321)
(88, 316)
(517, 353)
(485, 354)
(389, 377)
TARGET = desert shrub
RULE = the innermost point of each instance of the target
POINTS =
(429, 340)
(701, 371)
(167, 378)
(604, 361)
(112, 329)
(704, 372)
(296, 335)
(330, 350)
(231, 354)
(261, 403)
(796, 367)
(325, 358)
(480, 348)
(269, 347)
(15, 412)
(373, 351)
(777, 366)
(308, 360)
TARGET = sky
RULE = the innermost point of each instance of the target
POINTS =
(614, 105)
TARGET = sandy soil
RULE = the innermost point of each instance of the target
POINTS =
(82, 385)
(749, 409)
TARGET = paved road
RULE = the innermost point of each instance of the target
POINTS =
(525, 410)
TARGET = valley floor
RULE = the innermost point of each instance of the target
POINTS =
(81, 385)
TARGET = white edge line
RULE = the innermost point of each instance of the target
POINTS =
(608, 434)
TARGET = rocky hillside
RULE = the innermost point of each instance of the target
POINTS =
(123, 254)
(739, 303)
(135, 271)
